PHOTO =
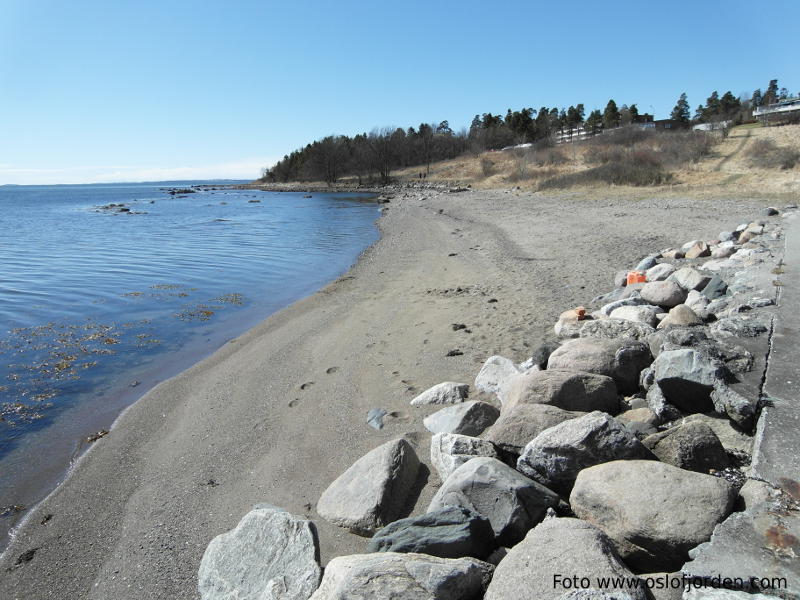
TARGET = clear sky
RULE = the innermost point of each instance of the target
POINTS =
(171, 89)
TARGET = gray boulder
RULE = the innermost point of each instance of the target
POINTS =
(612, 329)
(271, 554)
(687, 377)
(654, 512)
(622, 360)
(633, 299)
(663, 293)
(641, 314)
(443, 393)
(570, 390)
(373, 491)
(641, 421)
(450, 532)
(542, 353)
(401, 576)
(656, 402)
(660, 272)
(690, 279)
(680, 316)
(715, 288)
(467, 418)
(451, 450)
(556, 456)
(691, 446)
(496, 375)
(735, 442)
(646, 263)
(521, 423)
(557, 550)
(512, 503)
(739, 409)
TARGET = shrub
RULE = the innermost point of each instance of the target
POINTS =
(487, 167)
(768, 155)
(616, 173)
(549, 156)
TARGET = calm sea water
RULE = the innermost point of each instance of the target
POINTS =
(98, 304)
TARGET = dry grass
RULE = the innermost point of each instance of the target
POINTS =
(720, 170)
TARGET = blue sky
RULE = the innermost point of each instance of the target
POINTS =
(130, 91)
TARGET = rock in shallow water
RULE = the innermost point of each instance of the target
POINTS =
(271, 554)
(373, 491)
(398, 576)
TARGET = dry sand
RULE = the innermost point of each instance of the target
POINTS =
(278, 413)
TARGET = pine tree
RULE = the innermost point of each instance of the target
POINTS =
(771, 95)
(681, 111)
(611, 115)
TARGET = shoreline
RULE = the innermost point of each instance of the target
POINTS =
(277, 413)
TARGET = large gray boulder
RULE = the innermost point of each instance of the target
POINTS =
(450, 532)
(521, 423)
(612, 329)
(467, 418)
(569, 390)
(451, 450)
(690, 279)
(269, 555)
(496, 376)
(692, 446)
(443, 393)
(660, 272)
(512, 502)
(663, 293)
(556, 456)
(654, 512)
(680, 316)
(687, 377)
(557, 550)
(622, 360)
(373, 491)
(400, 576)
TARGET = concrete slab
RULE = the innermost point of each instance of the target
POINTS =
(776, 456)
(757, 549)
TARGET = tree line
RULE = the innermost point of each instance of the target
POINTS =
(373, 156)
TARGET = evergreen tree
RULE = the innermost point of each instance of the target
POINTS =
(611, 115)
(681, 110)
(771, 95)
(757, 99)
(593, 123)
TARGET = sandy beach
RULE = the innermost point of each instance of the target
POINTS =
(278, 413)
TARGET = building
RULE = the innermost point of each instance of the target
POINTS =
(779, 111)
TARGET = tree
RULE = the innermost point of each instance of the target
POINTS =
(729, 105)
(681, 111)
(771, 95)
(611, 115)
(444, 128)
(634, 113)
(757, 99)
(594, 123)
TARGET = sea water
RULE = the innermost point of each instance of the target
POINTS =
(105, 290)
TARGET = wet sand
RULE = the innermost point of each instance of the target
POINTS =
(276, 414)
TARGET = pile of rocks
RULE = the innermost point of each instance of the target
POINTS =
(612, 454)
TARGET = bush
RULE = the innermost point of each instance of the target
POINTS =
(616, 173)
(767, 155)
(549, 156)
(487, 167)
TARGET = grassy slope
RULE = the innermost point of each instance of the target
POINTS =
(726, 171)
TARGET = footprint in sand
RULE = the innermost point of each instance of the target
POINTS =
(294, 402)
(331, 370)
(306, 385)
